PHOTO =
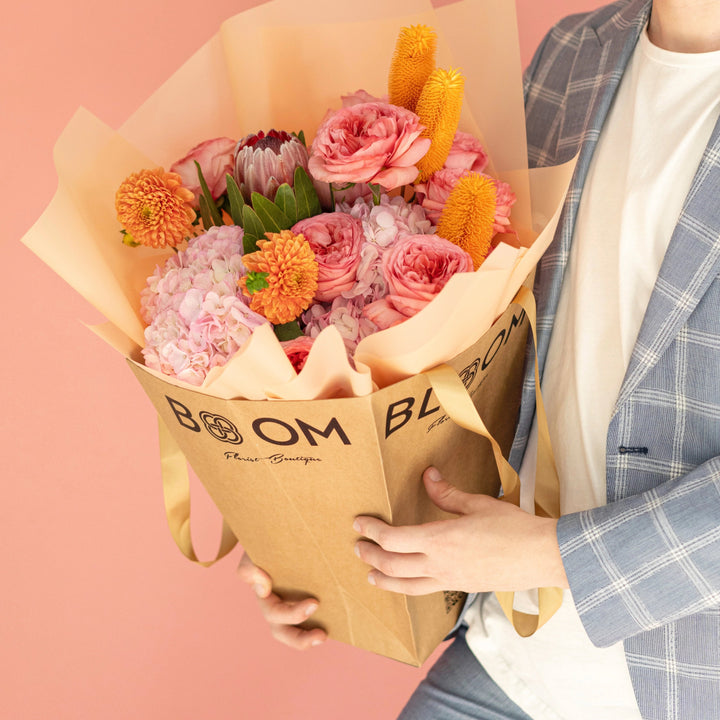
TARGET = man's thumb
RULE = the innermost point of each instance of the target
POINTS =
(446, 496)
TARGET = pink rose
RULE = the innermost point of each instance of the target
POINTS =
(359, 97)
(383, 314)
(368, 143)
(336, 239)
(504, 200)
(416, 268)
(466, 153)
(216, 160)
(298, 350)
(433, 193)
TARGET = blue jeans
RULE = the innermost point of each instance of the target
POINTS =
(458, 688)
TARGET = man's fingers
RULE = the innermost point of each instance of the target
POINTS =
(407, 586)
(401, 565)
(296, 637)
(251, 574)
(405, 539)
(280, 612)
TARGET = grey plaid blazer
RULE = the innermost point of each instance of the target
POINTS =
(645, 569)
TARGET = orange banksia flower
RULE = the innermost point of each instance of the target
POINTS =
(468, 216)
(412, 63)
(439, 109)
(155, 209)
(291, 280)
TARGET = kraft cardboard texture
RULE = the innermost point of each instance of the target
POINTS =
(289, 477)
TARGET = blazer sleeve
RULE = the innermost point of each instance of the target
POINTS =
(648, 559)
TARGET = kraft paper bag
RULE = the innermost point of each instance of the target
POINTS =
(290, 476)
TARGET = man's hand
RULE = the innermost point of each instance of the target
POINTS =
(282, 616)
(491, 545)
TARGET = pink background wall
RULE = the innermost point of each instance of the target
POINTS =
(100, 616)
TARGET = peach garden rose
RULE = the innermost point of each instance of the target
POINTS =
(336, 239)
(466, 153)
(416, 268)
(370, 142)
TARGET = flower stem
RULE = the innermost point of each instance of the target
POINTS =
(375, 189)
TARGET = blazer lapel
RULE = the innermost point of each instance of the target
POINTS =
(690, 265)
(600, 61)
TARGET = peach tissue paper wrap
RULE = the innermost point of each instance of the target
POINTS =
(283, 65)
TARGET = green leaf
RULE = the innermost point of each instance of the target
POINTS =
(271, 216)
(256, 281)
(308, 203)
(206, 213)
(214, 213)
(236, 200)
(285, 200)
(301, 137)
(253, 228)
(288, 331)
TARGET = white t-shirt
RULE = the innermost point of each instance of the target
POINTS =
(653, 139)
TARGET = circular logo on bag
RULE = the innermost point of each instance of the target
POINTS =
(467, 374)
(221, 428)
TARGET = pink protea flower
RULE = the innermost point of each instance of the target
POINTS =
(263, 162)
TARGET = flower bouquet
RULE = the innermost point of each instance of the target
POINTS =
(324, 261)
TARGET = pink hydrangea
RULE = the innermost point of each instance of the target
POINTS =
(196, 318)
(346, 314)
(383, 225)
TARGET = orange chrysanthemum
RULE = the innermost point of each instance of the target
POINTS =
(412, 63)
(292, 274)
(468, 216)
(155, 209)
(439, 109)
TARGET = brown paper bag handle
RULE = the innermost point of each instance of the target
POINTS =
(176, 491)
(457, 403)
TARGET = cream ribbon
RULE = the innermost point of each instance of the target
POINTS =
(458, 405)
(176, 490)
